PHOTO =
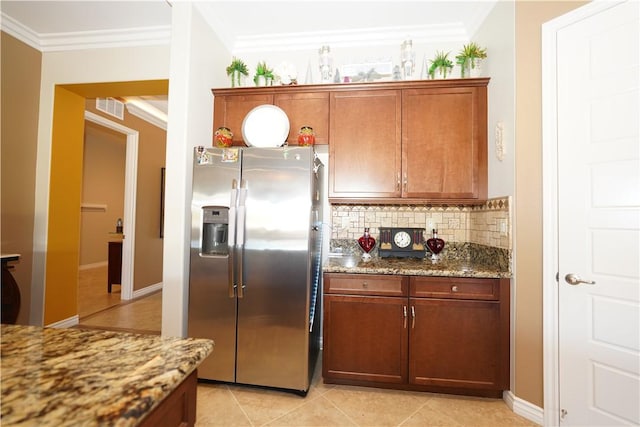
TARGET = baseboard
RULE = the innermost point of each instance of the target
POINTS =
(147, 290)
(66, 323)
(523, 408)
(94, 265)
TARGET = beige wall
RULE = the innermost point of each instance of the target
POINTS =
(530, 15)
(102, 185)
(148, 259)
(20, 93)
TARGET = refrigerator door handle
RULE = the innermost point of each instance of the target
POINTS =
(231, 237)
(242, 197)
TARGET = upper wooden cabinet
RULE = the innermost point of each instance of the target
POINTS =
(365, 151)
(230, 110)
(306, 107)
(422, 141)
(444, 143)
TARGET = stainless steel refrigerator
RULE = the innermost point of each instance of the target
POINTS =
(255, 264)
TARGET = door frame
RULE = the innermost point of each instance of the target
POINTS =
(130, 186)
(550, 268)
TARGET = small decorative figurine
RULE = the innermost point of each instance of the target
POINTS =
(306, 136)
(435, 245)
(367, 243)
(223, 137)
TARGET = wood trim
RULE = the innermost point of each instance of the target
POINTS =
(177, 409)
(396, 85)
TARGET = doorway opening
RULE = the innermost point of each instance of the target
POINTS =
(109, 165)
(62, 256)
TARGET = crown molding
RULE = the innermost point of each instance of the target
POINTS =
(147, 36)
(148, 113)
(381, 36)
(282, 42)
(19, 31)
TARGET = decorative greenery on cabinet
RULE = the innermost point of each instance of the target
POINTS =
(469, 58)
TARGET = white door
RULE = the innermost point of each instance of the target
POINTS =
(598, 92)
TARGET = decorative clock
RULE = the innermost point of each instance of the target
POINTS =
(401, 242)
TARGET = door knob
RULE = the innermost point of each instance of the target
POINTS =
(574, 279)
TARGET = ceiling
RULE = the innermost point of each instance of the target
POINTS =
(243, 26)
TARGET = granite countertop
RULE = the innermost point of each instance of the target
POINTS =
(413, 267)
(75, 377)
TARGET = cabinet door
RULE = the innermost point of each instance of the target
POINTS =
(365, 339)
(230, 111)
(444, 143)
(306, 109)
(365, 149)
(456, 343)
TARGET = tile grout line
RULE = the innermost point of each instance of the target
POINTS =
(413, 413)
(340, 410)
(239, 405)
(304, 402)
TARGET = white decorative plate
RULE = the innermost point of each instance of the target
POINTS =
(265, 126)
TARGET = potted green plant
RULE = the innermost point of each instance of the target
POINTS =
(441, 65)
(264, 75)
(236, 70)
(469, 59)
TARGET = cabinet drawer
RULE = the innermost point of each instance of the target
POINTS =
(455, 288)
(365, 284)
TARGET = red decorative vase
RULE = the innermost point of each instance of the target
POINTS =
(366, 242)
(223, 137)
(306, 136)
(435, 245)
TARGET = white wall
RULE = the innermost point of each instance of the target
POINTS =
(497, 34)
(198, 63)
(67, 67)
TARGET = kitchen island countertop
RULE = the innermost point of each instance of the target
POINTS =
(413, 267)
(75, 377)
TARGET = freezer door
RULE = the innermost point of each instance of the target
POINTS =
(212, 304)
(273, 313)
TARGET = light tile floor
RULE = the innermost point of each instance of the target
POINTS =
(325, 405)
(334, 405)
(100, 310)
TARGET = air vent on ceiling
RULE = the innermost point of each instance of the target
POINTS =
(111, 106)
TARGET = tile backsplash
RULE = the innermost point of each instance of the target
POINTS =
(488, 224)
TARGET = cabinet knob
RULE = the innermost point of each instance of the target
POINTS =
(365, 285)
(454, 288)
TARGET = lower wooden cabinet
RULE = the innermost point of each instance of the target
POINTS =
(438, 334)
(351, 353)
(178, 409)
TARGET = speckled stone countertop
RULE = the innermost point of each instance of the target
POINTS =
(412, 267)
(458, 260)
(75, 377)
